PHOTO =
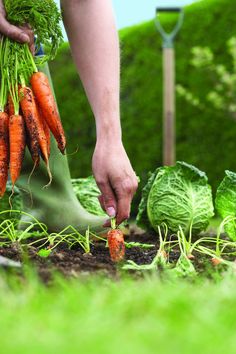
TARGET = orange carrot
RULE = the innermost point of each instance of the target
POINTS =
(46, 131)
(48, 136)
(116, 245)
(4, 151)
(29, 111)
(17, 146)
(216, 261)
(190, 256)
(43, 93)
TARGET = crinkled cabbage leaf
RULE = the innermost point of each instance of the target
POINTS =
(177, 196)
(87, 193)
(226, 202)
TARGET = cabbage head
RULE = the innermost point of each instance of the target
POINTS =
(226, 202)
(177, 196)
(87, 193)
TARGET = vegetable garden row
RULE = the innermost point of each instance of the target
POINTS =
(177, 203)
(175, 210)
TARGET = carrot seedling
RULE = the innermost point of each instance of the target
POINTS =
(161, 258)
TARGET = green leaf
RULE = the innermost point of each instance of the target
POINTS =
(138, 244)
(44, 252)
(142, 217)
(87, 192)
(177, 196)
(184, 267)
(226, 202)
(44, 18)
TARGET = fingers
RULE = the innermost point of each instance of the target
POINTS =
(125, 192)
(124, 205)
(13, 32)
(107, 199)
(108, 222)
(100, 198)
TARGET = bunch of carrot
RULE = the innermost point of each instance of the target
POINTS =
(28, 112)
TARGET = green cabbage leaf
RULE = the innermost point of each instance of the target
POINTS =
(177, 196)
(225, 202)
(87, 193)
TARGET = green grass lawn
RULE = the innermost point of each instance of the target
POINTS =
(98, 315)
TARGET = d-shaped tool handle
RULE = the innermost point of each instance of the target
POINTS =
(168, 37)
(168, 9)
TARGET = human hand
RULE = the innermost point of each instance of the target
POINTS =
(22, 34)
(115, 178)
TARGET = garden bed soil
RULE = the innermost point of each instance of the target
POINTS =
(73, 262)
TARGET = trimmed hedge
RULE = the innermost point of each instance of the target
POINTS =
(205, 139)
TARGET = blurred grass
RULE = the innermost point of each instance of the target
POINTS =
(97, 315)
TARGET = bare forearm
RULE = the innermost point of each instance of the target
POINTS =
(92, 33)
(94, 42)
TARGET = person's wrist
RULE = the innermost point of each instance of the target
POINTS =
(107, 139)
(109, 132)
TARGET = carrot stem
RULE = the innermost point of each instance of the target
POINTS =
(113, 223)
(31, 59)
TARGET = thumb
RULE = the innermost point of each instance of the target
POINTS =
(13, 32)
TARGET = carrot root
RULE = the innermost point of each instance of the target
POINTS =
(45, 98)
(4, 151)
(17, 146)
(116, 245)
(50, 177)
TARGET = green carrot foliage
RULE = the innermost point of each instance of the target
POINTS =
(44, 18)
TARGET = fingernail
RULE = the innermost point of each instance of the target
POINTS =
(23, 37)
(111, 212)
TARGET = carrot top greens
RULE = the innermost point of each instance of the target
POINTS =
(17, 63)
(44, 18)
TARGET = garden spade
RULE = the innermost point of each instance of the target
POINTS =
(169, 135)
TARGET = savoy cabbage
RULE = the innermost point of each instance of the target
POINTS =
(226, 202)
(177, 196)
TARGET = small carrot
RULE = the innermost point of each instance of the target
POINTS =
(4, 151)
(29, 111)
(43, 93)
(116, 245)
(17, 146)
(190, 256)
(216, 261)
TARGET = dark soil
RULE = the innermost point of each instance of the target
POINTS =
(73, 262)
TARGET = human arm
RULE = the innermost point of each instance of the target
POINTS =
(93, 37)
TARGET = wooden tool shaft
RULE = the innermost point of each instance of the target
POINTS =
(169, 153)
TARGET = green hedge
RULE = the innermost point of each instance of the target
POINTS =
(205, 139)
